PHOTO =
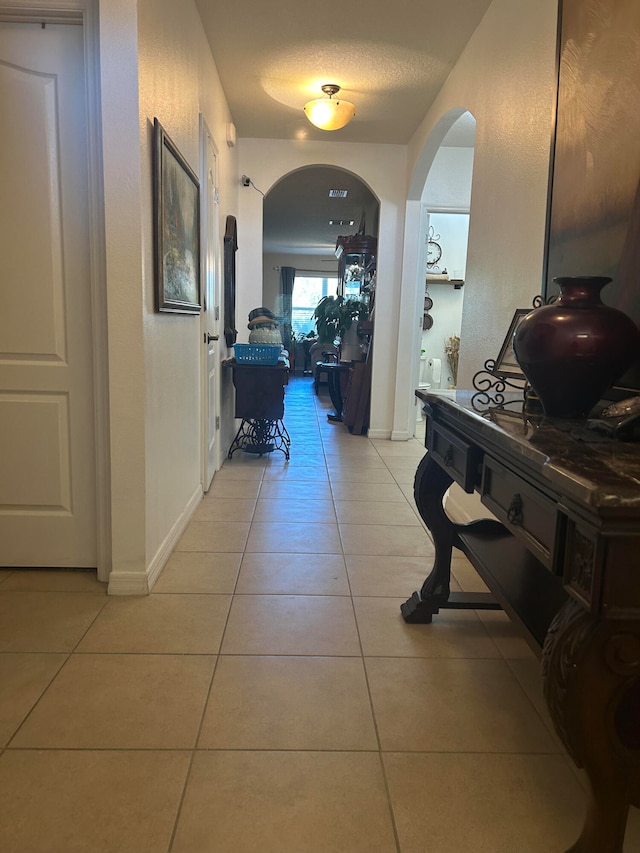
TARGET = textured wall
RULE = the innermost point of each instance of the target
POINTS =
(382, 168)
(177, 81)
(506, 79)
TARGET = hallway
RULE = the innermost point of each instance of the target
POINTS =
(267, 696)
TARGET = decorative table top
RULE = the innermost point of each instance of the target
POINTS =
(594, 469)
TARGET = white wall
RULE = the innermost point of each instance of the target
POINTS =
(178, 80)
(383, 169)
(506, 79)
(448, 183)
(123, 248)
(155, 61)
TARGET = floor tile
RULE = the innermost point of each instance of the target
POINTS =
(225, 509)
(528, 671)
(316, 802)
(45, 621)
(484, 803)
(121, 702)
(239, 486)
(347, 491)
(466, 575)
(216, 536)
(484, 707)
(315, 473)
(375, 512)
(394, 449)
(381, 540)
(289, 492)
(55, 580)
(160, 624)
(354, 463)
(387, 576)
(295, 511)
(293, 574)
(289, 703)
(23, 679)
(506, 635)
(199, 571)
(291, 625)
(290, 731)
(452, 634)
(55, 801)
(234, 471)
(293, 537)
(368, 476)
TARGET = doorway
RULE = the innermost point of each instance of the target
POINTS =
(442, 258)
(210, 318)
(304, 215)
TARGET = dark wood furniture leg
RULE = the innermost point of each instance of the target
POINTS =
(591, 669)
(431, 482)
(334, 383)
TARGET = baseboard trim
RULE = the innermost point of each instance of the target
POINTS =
(400, 435)
(128, 583)
(154, 570)
(141, 583)
(379, 433)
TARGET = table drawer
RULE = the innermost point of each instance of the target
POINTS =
(455, 455)
(529, 514)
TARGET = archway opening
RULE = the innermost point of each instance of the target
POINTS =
(312, 220)
(444, 226)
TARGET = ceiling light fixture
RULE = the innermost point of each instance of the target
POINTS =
(327, 113)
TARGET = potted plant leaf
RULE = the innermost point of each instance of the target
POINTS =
(334, 317)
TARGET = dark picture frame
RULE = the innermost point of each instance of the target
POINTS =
(506, 364)
(593, 225)
(176, 199)
(230, 249)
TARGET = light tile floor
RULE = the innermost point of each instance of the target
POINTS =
(267, 696)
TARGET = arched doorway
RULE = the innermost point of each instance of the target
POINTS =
(306, 215)
(437, 221)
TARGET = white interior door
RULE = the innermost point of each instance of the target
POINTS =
(211, 313)
(47, 443)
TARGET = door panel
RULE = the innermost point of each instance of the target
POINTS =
(210, 318)
(47, 449)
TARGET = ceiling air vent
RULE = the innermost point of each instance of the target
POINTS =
(341, 222)
(338, 193)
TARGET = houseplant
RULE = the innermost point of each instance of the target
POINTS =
(334, 315)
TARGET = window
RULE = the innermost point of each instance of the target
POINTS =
(307, 292)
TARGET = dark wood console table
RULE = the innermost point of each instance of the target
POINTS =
(564, 562)
(260, 405)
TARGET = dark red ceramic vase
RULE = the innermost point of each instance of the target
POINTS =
(573, 350)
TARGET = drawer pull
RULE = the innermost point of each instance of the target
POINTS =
(514, 513)
(448, 456)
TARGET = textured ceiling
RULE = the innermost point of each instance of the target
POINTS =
(297, 211)
(390, 58)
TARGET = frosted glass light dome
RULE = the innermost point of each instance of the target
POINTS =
(329, 113)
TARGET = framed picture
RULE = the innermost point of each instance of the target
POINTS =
(594, 216)
(176, 195)
(230, 249)
(506, 365)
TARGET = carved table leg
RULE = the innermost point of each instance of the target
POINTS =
(431, 482)
(592, 687)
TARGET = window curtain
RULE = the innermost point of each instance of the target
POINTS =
(287, 280)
